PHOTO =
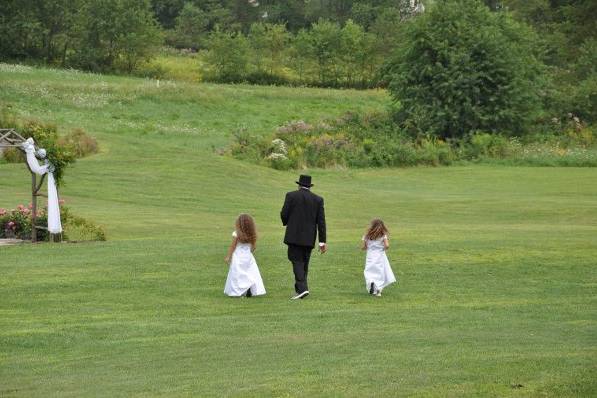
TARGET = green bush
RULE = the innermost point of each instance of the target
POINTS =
(151, 70)
(228, 57)
(114, 35)
(574, 88)
(60, 150)
(327, 150)
(42, 133)
(461, 68)
(349, 141)
(191, 25)
(16, 223)
(483, 145)
(247, 146)
(372, 140)
(79, 143)
(78, 228)
(45, 136)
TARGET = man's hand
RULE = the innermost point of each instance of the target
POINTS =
(323, 247)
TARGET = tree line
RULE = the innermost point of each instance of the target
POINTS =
(115, 35)
(326, 54)
(518, 45)
(106, 35)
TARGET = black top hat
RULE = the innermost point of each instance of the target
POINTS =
(304, 181)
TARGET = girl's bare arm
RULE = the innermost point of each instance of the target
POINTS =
(231, 250)
(386, 243)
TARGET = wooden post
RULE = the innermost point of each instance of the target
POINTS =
(33, 208)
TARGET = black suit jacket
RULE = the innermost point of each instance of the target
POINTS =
(303, 216)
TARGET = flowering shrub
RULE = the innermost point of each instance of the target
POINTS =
(279, 147)
(373, 140)
(348, 141)
(16, 224)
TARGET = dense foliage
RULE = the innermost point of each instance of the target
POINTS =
(61, 150)
(98, 36)
(374, 140)
(456, 66)
(325, 42)
(120, 35)
(462, 69)
(325, 55)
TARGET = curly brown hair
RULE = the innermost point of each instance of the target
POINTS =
(376, 229)
(245, 229)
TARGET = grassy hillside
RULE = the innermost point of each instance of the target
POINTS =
(496, 265)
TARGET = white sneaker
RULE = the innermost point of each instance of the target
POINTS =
(300, 295)
(378, 293)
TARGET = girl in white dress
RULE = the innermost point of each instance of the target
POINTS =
(244, 278)
(378, 273)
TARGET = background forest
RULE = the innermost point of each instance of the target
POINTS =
(468, 73)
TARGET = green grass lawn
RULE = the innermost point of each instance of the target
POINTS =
(496, 265)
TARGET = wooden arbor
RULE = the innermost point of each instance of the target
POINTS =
(10, 138)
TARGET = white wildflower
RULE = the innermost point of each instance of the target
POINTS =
(279, 146)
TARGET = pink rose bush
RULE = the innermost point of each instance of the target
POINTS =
(16, 224)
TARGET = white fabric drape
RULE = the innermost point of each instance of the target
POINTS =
(54, 224)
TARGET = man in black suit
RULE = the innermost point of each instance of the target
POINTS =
(304, 216)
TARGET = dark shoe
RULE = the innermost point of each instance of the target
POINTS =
(300, 295)
(248, 293)
(372, 288)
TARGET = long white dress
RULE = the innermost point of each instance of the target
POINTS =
(243, 273)
(377, 266)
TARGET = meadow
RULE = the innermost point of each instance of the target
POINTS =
(496, 264)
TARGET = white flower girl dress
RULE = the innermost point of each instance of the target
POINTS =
(243, 274)
(377, 266)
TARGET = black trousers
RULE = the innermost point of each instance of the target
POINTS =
(299, 257)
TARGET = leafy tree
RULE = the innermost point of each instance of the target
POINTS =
(462, 68)
(56, 17)
(364, 14)
(115, 34)
(300, 53)
(292, 13)
(325, 39)
(219, 15)
(268, 42)
(244, 13)
(356, 55)
(191, 25)
(585, 100)
(166, 11)
(386, 28)
(228, 55)
(37, 29)
(568, 31)
(19, 30)
(576, 91)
